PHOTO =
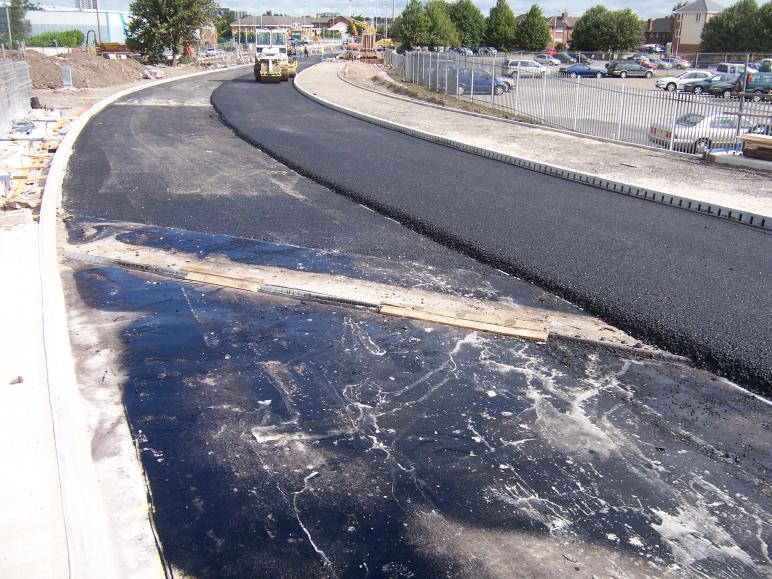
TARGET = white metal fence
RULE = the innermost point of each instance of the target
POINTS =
(15, 92)
(608, 109)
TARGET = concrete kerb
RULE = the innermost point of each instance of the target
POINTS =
(668, 199)
(89, 550)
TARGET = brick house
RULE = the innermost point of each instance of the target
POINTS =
(561, 28)
(659, 30)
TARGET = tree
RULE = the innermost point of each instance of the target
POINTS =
(412, 26)
(501, 26)
(628, 29)
(764, 35)
(223, 22)
(469, 22)
(533, 32)
(160, 24)
(680, 4)
(441, 31)
(603, 29)
(19, 25)
(736, 29)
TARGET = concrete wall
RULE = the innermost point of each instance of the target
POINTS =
(15, 92)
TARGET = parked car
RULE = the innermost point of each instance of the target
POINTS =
(486, 51)
(717, 85)
(481, 81)
(645, 62)
(526, 68)
(580, 58)
(759, 83)
(673, 83)
(546, 60)
(626, 68)
(733, 68)
(662, 64)
(582, 70)
(564, 58)
(698, 133)
(677, 62)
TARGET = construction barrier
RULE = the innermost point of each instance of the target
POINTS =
(15, 92)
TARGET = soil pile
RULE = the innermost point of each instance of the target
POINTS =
(88, 70)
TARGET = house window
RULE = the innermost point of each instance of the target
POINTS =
(697, 18)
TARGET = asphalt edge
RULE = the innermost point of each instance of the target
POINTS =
(90, 552)
(676, 201)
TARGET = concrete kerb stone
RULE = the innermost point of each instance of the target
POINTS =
(663, 198)
(89, 550)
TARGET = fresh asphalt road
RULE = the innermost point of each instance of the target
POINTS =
(694, 284)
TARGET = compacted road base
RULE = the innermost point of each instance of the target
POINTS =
(696, 285)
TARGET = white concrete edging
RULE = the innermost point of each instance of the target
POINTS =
(89, 551)
(677, 201)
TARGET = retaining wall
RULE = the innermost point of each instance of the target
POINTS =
(15, 92)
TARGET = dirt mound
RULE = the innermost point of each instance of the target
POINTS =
(88, 70)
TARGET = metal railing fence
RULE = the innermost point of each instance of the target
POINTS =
(15, 92)
(608, 109)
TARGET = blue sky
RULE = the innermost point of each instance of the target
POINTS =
(653, 9)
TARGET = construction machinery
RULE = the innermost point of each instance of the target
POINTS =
(272, 63)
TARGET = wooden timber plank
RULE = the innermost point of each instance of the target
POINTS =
(526, 333)
(497, 319)
(220, 280)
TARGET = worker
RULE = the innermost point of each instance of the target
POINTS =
(321, 52)
(305, 51)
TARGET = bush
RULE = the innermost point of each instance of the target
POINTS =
(70, 38)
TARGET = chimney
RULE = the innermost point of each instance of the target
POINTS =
(649, 25)
(565, 14)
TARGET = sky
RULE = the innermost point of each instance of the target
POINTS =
(652, 9)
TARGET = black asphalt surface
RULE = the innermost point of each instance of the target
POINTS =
(288, 438)
(695, 285)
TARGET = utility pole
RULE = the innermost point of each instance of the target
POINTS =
(99, 25)
(8, 21)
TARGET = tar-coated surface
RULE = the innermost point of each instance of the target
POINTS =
(286, 438)
(696, 285)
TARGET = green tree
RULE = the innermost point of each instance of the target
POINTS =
(16, 15)
(441, 31)
(735, 29)
(501, 26)
(764, 34)
(469, 22)
(412, 26)
(680, 4)
(223, 22)
(593, 31)
(628, 29)
(533, 32)
(160, 24)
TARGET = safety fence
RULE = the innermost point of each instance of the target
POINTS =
(15, 92)
(605, 108)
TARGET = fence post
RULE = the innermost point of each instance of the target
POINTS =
(675, 117)
(458, 70)
(430, 71)
(576, 103)
(517, 88)
(447, 66)
(544, 101)
(621, 112)
(493, 79)
(471, 91)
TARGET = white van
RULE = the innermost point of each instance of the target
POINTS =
(733, 68)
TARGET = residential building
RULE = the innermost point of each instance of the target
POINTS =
(561, 28)
(659, 30)
(688, 22)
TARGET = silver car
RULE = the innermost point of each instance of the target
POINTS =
(546, 60)
(513, 67)
(674, 83)
(698, 133)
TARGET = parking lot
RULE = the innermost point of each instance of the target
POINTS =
(631, 110)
